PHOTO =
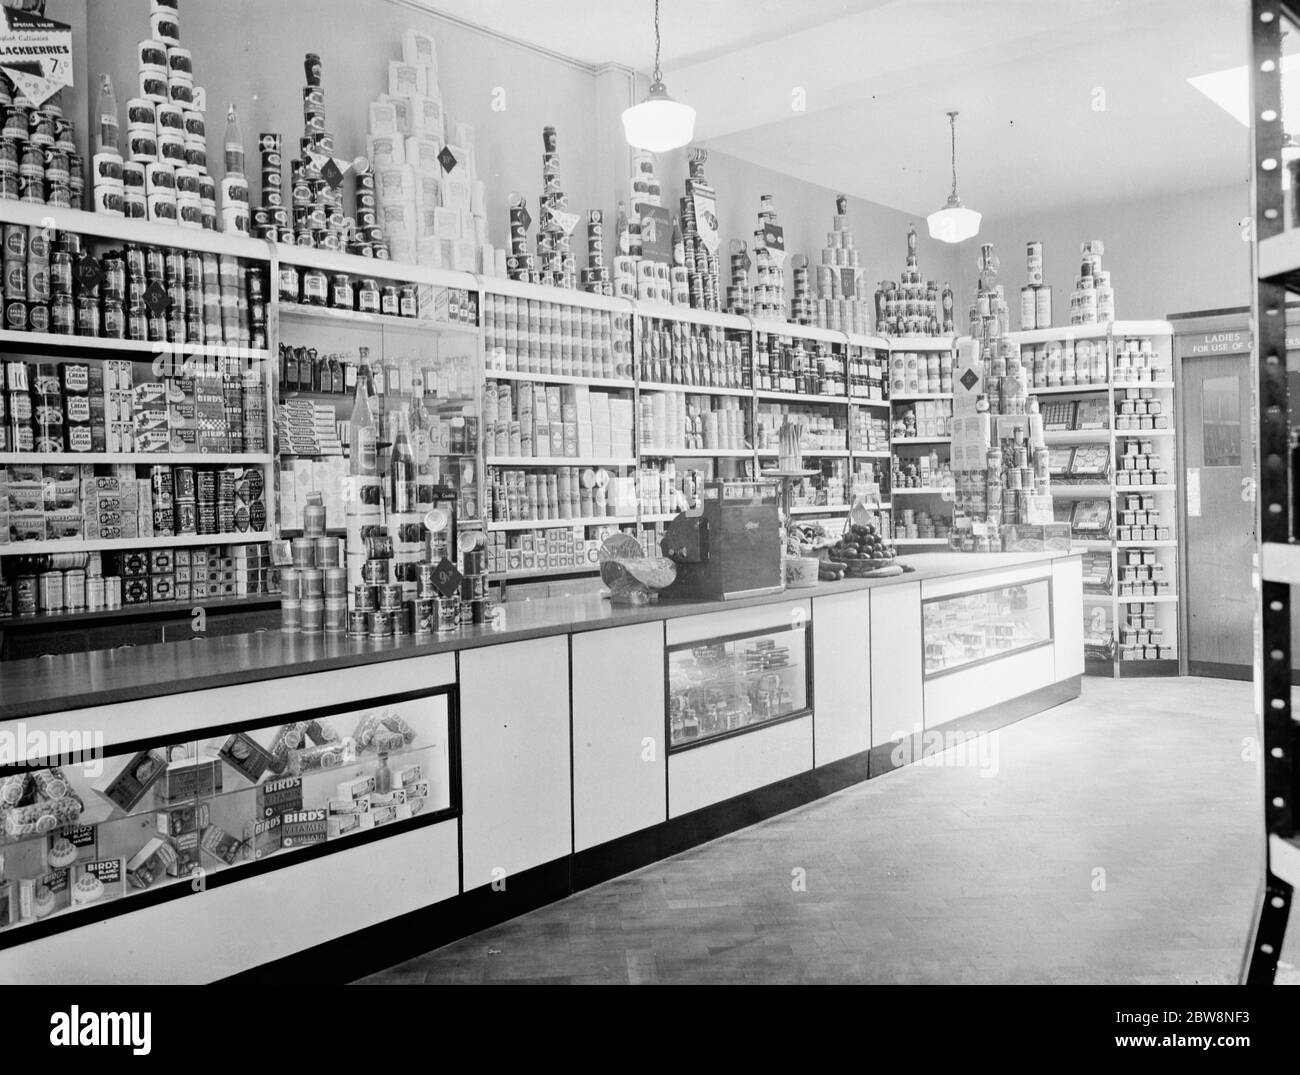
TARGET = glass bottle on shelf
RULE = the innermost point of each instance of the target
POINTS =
(234, 144)
(383, 776)
(364, 435)
(106, 134)
(336, 375)
(401, 465)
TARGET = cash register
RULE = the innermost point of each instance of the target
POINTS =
(728, 545)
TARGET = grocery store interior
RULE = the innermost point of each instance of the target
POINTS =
(732, 493)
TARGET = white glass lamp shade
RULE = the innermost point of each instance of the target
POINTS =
(659, 123)
(954, 223)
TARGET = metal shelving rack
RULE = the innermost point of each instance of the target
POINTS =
(1109, 334)
(1278, 272)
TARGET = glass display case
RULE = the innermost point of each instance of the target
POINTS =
(730, 685)
(971, 628)
(88, 839)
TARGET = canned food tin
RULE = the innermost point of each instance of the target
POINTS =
(26, 595)
(336, 582)
(364, 598)
(51, 591)
(327, 552)
(358, 623)
(390, 597)
(290, 616)
(426, 615)
(336, 617)
(304, 552)
(313, 582)
(1043, 306)
(478, 610)
(291, 583)
(379, 547)
(381, 624)
(374, 572)
(448, 611)
(313, 615)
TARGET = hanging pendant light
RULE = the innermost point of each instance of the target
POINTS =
(954, 223)
(658, 123)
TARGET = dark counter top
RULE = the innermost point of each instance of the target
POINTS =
(113, 677)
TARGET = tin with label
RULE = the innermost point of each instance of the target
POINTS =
(381, 624)
(1043, 306)
(290, 616)
(358, 623)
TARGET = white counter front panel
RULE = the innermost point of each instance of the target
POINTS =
(968, 690)
(619, 754)
(210, 935)
(709, 774)
(896, 653)
(1067, 601)
(841, 675)
(738, 621)
(514, 721)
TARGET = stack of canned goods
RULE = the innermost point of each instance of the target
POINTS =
(739, 300)
(911, 306)
(596, 279)
(58, 287)
(39, 162)
(769, 275)
(700, 235)
(1093, 301)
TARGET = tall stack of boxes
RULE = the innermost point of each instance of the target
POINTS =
(700, 235)
(431, 209)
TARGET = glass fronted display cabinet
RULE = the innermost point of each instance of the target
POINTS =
(91, 836)
(732, 684)
(971, 628)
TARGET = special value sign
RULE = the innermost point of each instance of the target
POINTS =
(36, 54)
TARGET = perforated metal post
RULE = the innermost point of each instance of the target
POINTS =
(1274, 471)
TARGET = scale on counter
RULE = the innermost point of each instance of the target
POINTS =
(728, 545)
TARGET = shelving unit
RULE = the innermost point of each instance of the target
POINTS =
(1278, 268)
(152, 360)
(1111, 337)
(905, 449)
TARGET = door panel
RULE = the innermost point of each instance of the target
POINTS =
(1221, 514)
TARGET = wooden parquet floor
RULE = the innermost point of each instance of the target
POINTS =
(1117, 842)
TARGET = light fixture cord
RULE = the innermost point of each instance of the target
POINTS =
(952, 122)
(658, 75)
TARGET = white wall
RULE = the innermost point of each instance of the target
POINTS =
(1171, 255)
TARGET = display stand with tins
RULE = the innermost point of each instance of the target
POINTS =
(1106, 398)
(921, 440)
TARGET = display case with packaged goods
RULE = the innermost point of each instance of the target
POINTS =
(88, 836)
(985, 625)
(733, 684)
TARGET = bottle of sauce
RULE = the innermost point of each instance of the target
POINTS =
(362, 452)
(401, 466)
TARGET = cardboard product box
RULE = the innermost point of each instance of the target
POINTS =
(191, 779)
(280, 796)
(132, 782)
(261, 837)
(162, 588)
(188, 854)
(178, 820)
(221, 845)
(302, 827)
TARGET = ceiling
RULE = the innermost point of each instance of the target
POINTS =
(1062, 102)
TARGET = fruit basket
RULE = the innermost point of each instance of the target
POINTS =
(862, 551)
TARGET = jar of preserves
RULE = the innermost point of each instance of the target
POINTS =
(389, 302)
(410, 306)
(315, 287)
(368, 296)
(342, 296)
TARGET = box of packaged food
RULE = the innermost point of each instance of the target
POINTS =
(356, 789)
(276, 798)
(261, 837)
(179, 820)
(132, 783)
(188, 858)
(99, 879)
(191, 779)
(302, 827)
(220, 844)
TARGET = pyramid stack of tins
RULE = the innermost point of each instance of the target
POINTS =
(769, 273)
(627, 252)
(699, 227)
(840, 305)
(39, 162)
(989, 316)
(165, 176)
(555, 263)
(912, 305)
(1093, 301)
(314, 590)
(431, 207)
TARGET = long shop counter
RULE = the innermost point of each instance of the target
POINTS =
(267, 804)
